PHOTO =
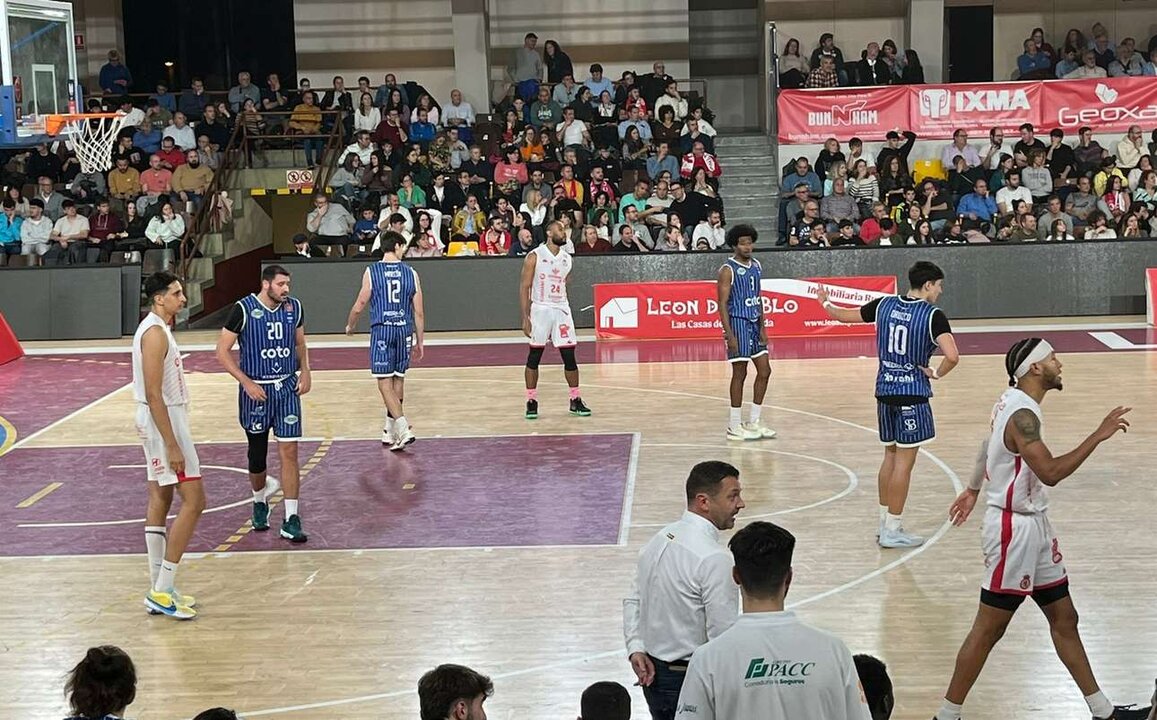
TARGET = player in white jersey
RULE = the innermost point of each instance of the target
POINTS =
(1022, 555)
(546, 316)
(163, 425)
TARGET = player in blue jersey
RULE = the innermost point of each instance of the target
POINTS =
(391, 289)
(741, 313)
(909, 328)
(273, 368)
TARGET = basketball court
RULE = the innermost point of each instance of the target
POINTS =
(507, 544)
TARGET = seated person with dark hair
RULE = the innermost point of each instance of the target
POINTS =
(877, 685)
(846, 235)
(606, 701)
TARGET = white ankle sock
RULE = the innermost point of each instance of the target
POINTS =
(401, 425)
(389, 424)
(1099, 705)
(166, 577)
(290, 508)
(736, 417)
(259, 495)
(756, 412)
(948, 711)
(883, 514)
(155, 544)
(891, 522)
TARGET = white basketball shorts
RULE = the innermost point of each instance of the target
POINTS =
(553, 323)
(1021, 554)
(156, 458)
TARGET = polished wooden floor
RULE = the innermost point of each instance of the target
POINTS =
(346, 634)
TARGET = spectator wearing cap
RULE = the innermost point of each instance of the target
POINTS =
(115, 78)
(827, 48)
(526, 68)
(597, 82)
(845, 235)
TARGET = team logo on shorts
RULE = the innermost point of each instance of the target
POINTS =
(257, 313)
(910, 425)
(381, 344)
(255, 427)
(290, 419)
(1025, 582)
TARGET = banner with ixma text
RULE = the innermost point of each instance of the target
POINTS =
(689, 309)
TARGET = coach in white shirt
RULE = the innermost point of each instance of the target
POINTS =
(684, 593)
(770, 665)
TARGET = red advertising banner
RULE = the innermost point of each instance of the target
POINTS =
(1104, 104)
(1107, 105)
(664, 310)
(811, 116)
(937, 110)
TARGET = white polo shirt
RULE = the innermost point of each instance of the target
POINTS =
(772, 666)
(683, 594)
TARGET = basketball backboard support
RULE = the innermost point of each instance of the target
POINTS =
(37, 68)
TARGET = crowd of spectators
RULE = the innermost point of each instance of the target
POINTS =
(995, 191)
(625, 166)
(1081, 56)
(878, 64)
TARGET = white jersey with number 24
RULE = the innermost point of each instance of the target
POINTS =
(550, 271)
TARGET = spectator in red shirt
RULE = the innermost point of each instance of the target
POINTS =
(102, 224)
(496, 239)
(599, 184)
(699, 158)
(870, 229)
(572, 189)
(390, 131)
(171, 156)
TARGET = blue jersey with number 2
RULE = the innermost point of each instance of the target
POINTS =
(904, 344)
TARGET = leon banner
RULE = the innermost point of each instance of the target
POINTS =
(689, 309)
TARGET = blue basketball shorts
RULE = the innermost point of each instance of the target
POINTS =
(280, 411)
(905, 425)
(389, 350)
(748, 344)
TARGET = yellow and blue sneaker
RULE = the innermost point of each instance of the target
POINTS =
(165, 604)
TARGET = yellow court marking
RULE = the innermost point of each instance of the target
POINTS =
(278, 497)
(39, 495)
(7, 435)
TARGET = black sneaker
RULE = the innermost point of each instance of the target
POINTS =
(577, 407)
(532, 409)
(1130, 712)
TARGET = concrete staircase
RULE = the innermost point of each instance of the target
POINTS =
(749, 185)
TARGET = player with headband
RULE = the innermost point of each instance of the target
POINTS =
(1022, 554)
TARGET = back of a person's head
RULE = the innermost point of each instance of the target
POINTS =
(103, 683)
(877, 686)
(217, 713)
(606, 701)
(440, 689)
(762, 553)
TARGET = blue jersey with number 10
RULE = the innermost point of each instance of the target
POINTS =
(744, 300)
(268, 341)
(393, 285)
(904, 344)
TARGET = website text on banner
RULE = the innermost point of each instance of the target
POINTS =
(934, 111)
(685, 310)
(1150, 296)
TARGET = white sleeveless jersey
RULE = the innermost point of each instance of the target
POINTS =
(1012, 485)
(173, 387)
(550, 271)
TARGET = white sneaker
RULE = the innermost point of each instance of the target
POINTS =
(742, 433)
(402, 439)
(759, 429)
(899, 539)
(387, 437)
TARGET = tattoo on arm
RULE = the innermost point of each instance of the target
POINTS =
(1027, 425)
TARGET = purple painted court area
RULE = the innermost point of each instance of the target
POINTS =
(36, 391)
(463, 492)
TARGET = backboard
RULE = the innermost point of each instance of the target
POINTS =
(37, 68)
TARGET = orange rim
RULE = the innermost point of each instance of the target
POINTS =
(53, 124)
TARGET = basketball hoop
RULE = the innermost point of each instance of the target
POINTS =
(92, 136)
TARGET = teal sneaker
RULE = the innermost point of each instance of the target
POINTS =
(578, 407)
(260, 516)
(291, 530)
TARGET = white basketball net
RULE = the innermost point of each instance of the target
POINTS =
(93, 140)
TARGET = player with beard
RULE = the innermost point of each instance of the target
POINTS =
(1022, 555)
(546, 316)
